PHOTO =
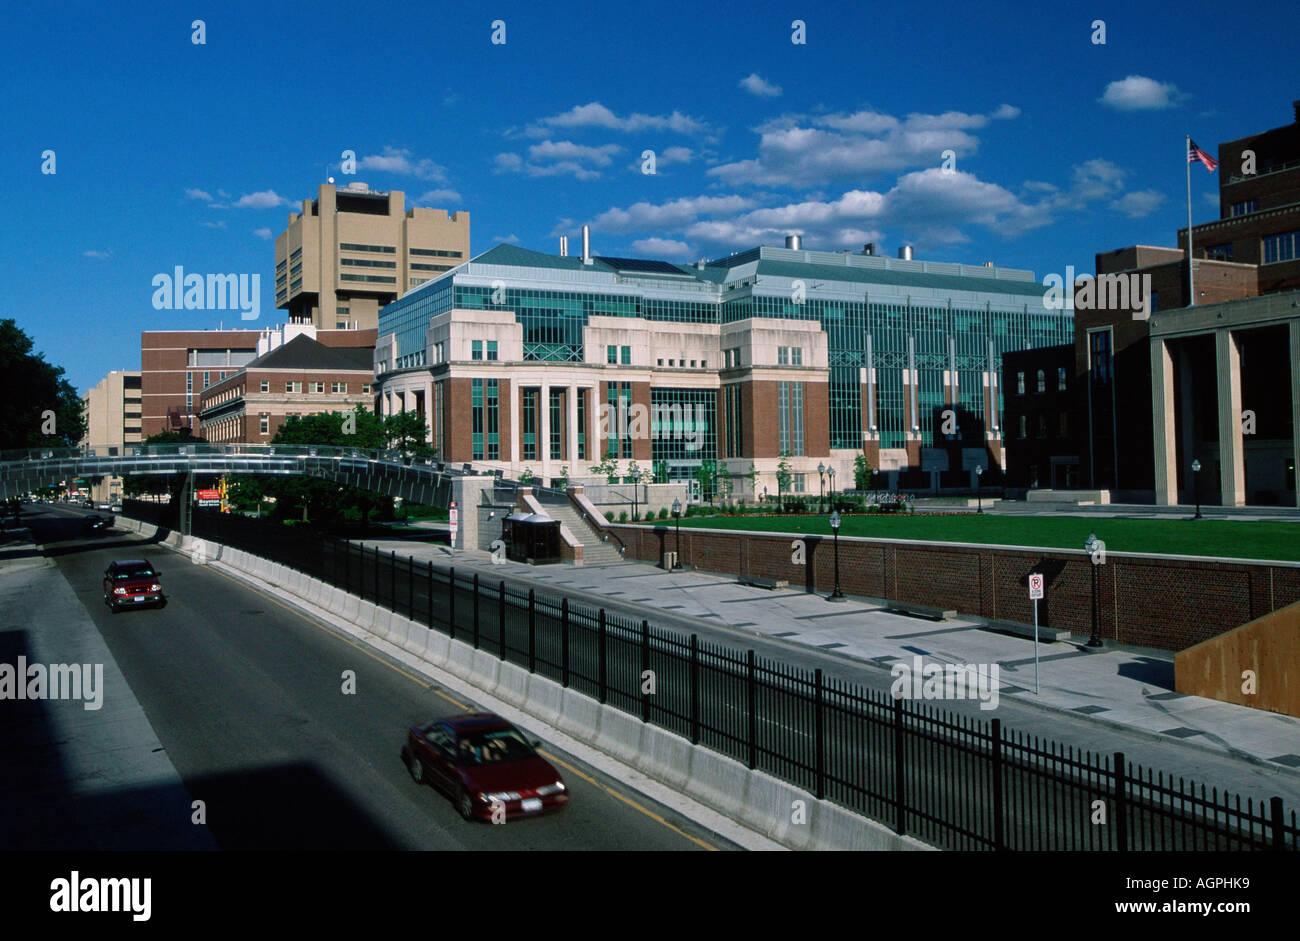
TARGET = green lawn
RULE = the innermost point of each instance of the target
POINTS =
(1222, 538)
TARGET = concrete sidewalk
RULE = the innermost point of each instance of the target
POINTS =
(1126, 688)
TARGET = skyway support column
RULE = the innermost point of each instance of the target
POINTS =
(1232, 462)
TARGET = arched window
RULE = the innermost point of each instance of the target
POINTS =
(1042, 381)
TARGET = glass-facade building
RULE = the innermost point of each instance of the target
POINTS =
(873, 323)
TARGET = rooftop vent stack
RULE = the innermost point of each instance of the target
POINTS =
(988, 264)
(869, 248)
(905, 253)
(699, 265)
(564, 246)
(793, 242)
(586, 244)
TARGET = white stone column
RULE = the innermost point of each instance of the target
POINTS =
(1162, 423)
(1295, 401)
(544, 428)
(571, 439)
(428, 410)
(1232, 458)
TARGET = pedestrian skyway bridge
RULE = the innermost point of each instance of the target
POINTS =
(388, 472)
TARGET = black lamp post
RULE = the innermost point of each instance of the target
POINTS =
(830, 472)
(979, 496)
(821, 484)
(1090, 545)
(677, 520)
(836, 595)
(1196, 485)
(636, 480)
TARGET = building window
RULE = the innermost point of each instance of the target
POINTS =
(627, 356)
(1063, 424)
(493, 421)
(611, 355)
(1245, 207)
(266, 385)
(476, 418)
(1042, 426)
(1281, 247)
(1042, 381)
(783, 416)
(735, 438)
(1219, 252)
(582, 423)
(365, 388)
(293, 387)
(1099, 358)
(796, 417)
(1024, 430)
(1060, 379)
(476, 349)
(661, 361)
(557, 424)
(339, 387)
(264, 421)
(783, 356)
(1020, 383)
(491, 349)
(316, 387)
(529, 424)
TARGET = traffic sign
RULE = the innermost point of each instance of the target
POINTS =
(454, 516)
(1036, 586)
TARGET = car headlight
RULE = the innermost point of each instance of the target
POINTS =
(155, 587)
(119, 591)
(549, 789)
(501, 796)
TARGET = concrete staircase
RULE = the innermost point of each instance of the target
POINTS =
(594, 551)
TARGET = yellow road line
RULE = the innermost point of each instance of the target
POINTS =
(460, 705)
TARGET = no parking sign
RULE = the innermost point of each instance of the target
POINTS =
(1035, 586)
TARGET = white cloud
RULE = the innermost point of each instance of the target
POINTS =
(559, 158)
(92, 253)
(398, 161)
(263, 233)
(439, 196)
(510, 239)
(1139, 93)
(265, 199)
(672, 216)
(194, 193)
(673, 155)
(1139, 203)
(214, 225)
(1005, 112)
(755, 85)
(662, 248)
(597, 115)
(1211, 200)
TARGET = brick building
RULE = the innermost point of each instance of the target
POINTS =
(301, 376)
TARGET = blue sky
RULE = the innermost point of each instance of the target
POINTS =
(170, 153)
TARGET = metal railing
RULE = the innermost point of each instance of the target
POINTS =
(952, 781)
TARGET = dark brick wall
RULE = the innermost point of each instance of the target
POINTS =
(1164, 603)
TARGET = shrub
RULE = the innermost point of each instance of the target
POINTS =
(609, 517)
(663, 512)
(622, 517)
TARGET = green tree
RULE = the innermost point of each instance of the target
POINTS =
(783, 476)
(38, 407)
(724, 482)
(563, 479)
(861, 472)
(608, 468)
(705, 474)
(752, 474)
(406, 432)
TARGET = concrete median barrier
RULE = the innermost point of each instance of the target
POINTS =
(545, 699)
(619, 734)
(664, 756)
(512, 684)
(718, 781)
(579, 715)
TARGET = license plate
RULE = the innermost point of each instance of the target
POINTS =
(140, 598)
(531, 804)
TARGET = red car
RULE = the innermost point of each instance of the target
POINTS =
(132, 583)
(485, 765)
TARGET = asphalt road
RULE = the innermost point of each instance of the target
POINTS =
(246, 695)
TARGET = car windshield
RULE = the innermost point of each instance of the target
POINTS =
(491, 747)
(143, 570)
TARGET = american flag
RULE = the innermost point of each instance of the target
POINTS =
(1195, 153)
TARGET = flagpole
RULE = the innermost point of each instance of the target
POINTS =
(1191, 277)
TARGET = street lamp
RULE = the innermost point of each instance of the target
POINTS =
(636, 479)
(836, 595)
(821, 483)
(1090, 545)
(677, 520)
(979, 496)
(1196, 485)
(830, 472)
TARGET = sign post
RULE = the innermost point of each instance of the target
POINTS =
(454, 516)
(1036, 592)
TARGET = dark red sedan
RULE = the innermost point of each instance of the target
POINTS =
(132, 583)
(486, 765)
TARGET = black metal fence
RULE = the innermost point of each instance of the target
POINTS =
(951, 781)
